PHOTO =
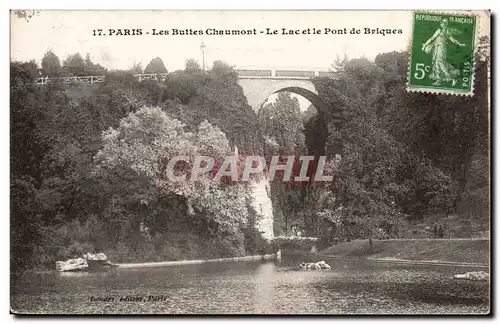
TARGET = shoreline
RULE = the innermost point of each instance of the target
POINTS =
(392, 260)
(158, 264)
(456, 252)
(386, 251)
(273, 256)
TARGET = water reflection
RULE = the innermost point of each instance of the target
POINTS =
(79, 274)
(265, 289)
(253, 287)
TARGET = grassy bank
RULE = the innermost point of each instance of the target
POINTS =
(439, 250)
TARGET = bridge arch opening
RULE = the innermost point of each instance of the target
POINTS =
(292, 124)
(289, 215)
(309, 95)
(312, 110)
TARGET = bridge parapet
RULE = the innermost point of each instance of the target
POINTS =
(282, 74)
(326, 74)
(254, 73)
(299, 74)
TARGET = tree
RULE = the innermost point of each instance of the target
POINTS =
(155, 66)
(448, 136)
(221, 102)
(51, 64)
(183, 85)
(309, 113)
(91, 68)
(223, 69)
(378, 126)
(283, 122)
(431, 191)
(366, 188)
(30, 108)
(147, 140)
(75, 65)
(136, 68)
(192, 66)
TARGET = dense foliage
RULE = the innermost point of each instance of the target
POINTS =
(399, 157)
(86, 165)
(405, 156)
(155, 66)
(87, 162)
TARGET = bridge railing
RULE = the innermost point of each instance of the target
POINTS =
(151, 76)
(326, 74)
(42, 80)
(242, 74)
(91, 79)
(300, 74)
(282, 74)
(255, 73)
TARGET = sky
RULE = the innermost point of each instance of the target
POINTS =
(67, 32)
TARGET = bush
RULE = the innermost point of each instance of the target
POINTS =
(170, 252)
(75, 250)
(122, 253)
(229, 248)
(257, 245)
(42, 258)
(174, 247)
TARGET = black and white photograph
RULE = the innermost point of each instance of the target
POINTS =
(250, 162)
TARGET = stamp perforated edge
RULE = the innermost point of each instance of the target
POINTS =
(470, 93)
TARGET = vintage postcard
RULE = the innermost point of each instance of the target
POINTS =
(250, 162)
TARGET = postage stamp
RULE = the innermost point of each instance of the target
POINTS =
(442, 53)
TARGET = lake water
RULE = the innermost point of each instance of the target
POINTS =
(351, 287)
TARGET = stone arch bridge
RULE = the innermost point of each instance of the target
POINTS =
(258, 85)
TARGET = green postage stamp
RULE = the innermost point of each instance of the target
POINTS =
(442, 53)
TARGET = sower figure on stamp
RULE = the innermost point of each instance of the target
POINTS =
(442, 70)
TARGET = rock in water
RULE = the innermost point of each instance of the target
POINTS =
(324, 265)
(98, 260)
(88, 261)
(474, 275)
(314, 265)
(72, 265)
